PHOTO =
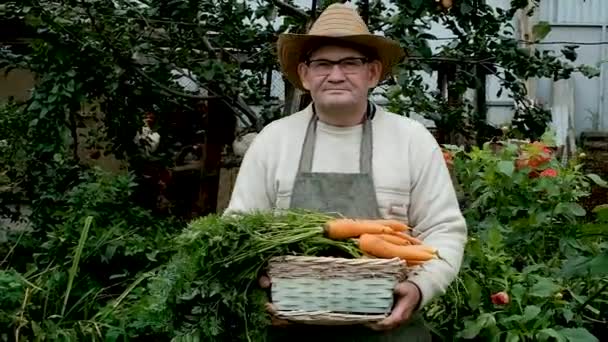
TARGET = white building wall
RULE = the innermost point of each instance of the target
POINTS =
(583, 22)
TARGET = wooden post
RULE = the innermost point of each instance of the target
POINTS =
(227, 181)
(293, 96)
(526, 35)
(220, 125)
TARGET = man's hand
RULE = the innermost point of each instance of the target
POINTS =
(264, 282)
(408, 297)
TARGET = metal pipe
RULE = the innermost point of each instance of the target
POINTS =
(601, 106)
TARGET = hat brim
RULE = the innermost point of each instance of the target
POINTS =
(291, 48)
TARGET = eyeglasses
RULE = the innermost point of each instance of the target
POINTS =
(349, 65)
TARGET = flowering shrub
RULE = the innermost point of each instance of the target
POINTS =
(535, 267)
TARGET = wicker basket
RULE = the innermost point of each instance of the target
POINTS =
(334, 291)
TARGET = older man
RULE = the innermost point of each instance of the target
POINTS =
(344, 154)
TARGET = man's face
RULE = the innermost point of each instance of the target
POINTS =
(334, 86)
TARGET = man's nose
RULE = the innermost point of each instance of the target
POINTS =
(336, 74)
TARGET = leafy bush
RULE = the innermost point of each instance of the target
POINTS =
(84, 252)
(12, 291)
(534, 267)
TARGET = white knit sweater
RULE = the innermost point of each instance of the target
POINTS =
(411, 178)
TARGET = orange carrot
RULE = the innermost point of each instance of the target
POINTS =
(339, 229)
(374, 245)
(424, 249)
(411, 239)
(414, 262)
(396, 225)
(396, 239)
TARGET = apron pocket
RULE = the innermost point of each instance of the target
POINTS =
(283, 200)
(394, 204)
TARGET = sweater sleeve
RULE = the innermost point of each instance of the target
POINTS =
(435, 214)
(253, 189)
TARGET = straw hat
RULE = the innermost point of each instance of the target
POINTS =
(340, 23)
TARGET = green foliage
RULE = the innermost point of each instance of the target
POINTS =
(96, 266)
(137, 277)
(210, 286)
(530, 239)
(13, 159)
(84, 252)
(485, 43)
(12, 292)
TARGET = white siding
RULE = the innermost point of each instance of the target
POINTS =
(581, 22)
(575, 11)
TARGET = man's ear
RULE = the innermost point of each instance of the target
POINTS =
(375, 69)
(303, 73)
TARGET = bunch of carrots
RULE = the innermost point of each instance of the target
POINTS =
(381, 238)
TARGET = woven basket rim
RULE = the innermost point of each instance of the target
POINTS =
(328, 318)
(320, 259)
(336, 267)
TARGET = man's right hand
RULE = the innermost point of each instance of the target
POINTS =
(265, 283)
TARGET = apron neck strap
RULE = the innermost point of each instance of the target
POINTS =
(365, 155)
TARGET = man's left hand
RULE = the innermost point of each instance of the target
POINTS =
(408, 297)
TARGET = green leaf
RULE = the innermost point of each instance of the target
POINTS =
(506, 167)
(544, 288)
(465, 8)
(570, 208)
(598, 266)
(494, 238)
(568, 315)
(589, 71)
(530, 312)
(575, 266)
(425, 51)
(473, 328)
(70, 87)
(602, 213)
(416, 4)
(533, 268)
(597, 180)
(578, 335)
(208, 74)
(517, 292)
(541, 30)
(34, 105)
(512, 336)
(569, 52)
(544, 334)
(474, 291)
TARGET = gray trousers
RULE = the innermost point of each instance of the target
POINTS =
(414, 331)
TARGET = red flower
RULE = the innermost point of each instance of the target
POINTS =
(500, 298)
(541, 147)
(534, 156)
(549, 173)
(449, 159)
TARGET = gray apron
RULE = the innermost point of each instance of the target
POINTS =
(352, 195)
